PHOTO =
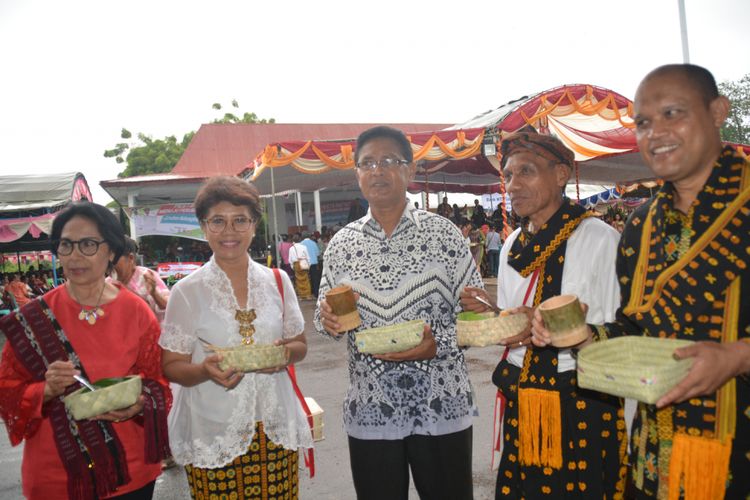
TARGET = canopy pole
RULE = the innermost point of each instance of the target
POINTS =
(683, 32)
(318, 218)
(275, 223)
(298, 206)
(131, 206)
(54, 270)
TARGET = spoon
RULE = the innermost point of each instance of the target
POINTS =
(494, 308)
(84, 382)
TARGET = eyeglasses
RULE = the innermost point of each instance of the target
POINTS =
(87, 246)
(389, 163)
(218, 224)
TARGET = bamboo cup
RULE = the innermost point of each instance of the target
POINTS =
(564, 319)
(341, 300)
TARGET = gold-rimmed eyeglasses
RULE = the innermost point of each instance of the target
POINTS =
(389, 163)
(218, 224)
(87, 246)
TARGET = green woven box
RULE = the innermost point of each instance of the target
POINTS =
(641, 368)
(111, 394)
(483, 329)
(248, 358)
(391, 338)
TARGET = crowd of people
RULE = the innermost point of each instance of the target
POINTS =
(677, 270)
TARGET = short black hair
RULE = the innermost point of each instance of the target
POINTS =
(385, 132)
(696, 76)
(131, 246)
(106, 222)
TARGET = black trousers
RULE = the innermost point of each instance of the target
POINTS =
(145, 493)
(440, 466)
(316, 271)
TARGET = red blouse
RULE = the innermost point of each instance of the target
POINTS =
(122, 342)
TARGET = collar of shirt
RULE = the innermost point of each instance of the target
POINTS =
(409, 214)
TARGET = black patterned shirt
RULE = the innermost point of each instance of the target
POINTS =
(416, 273)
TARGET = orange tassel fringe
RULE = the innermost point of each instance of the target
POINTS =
(539, 428)
(701, 465)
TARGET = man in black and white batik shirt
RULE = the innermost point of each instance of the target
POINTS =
(413, 409)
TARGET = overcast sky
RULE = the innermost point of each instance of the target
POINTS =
(74, 73)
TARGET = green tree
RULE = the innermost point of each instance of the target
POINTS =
(233, 118)
(737, 126)
(153, 156)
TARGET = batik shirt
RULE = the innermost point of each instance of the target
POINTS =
(416, 273)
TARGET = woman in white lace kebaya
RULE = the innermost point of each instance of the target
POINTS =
(234, 432)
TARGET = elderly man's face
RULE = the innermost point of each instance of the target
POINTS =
(676, 131)
(384, 187)
(534, 185)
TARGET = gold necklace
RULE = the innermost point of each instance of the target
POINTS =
(89, 315)
(247, 329)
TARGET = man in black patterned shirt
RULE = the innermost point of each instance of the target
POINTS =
(412, 409)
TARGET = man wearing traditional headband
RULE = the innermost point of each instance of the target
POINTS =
(683, 266)
(558, 250)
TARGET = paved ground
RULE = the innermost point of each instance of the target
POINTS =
(322, 375)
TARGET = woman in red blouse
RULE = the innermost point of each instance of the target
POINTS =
(98, 330)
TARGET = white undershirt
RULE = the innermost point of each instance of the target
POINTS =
(589, 273)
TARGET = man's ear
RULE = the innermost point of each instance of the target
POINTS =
(719, 109)
(562, 173)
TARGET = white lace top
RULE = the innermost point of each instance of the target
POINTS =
(209, 426)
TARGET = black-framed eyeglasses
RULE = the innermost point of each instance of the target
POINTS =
(87, 246)
(218, 224)
(389, 163)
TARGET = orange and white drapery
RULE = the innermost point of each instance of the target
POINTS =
(317, 157)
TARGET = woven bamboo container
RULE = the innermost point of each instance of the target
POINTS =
(248, 358)
(341, 300)
(641, 368)
(391, 338)
(564, 319)
(483, 329)
(111, 394)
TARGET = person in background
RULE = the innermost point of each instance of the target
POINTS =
(18, 290)
(410, 410)
(311, 244)
(683, 267)
(284, 245)
(444, 209)
(478, 217)
(457, 216)
(96, 329)
(298, 259)
(142, 281)
(493, 244)
(559, 249)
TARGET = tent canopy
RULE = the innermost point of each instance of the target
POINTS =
(29, 203)
(593, 122)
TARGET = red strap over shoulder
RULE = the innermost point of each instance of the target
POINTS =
(308, 455)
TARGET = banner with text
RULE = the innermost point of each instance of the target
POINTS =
(176, 219)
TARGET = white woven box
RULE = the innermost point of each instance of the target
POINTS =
(317, 414)
(641, 368)
(111, 394)
(392, 338)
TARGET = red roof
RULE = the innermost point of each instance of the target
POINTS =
(227, 149)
